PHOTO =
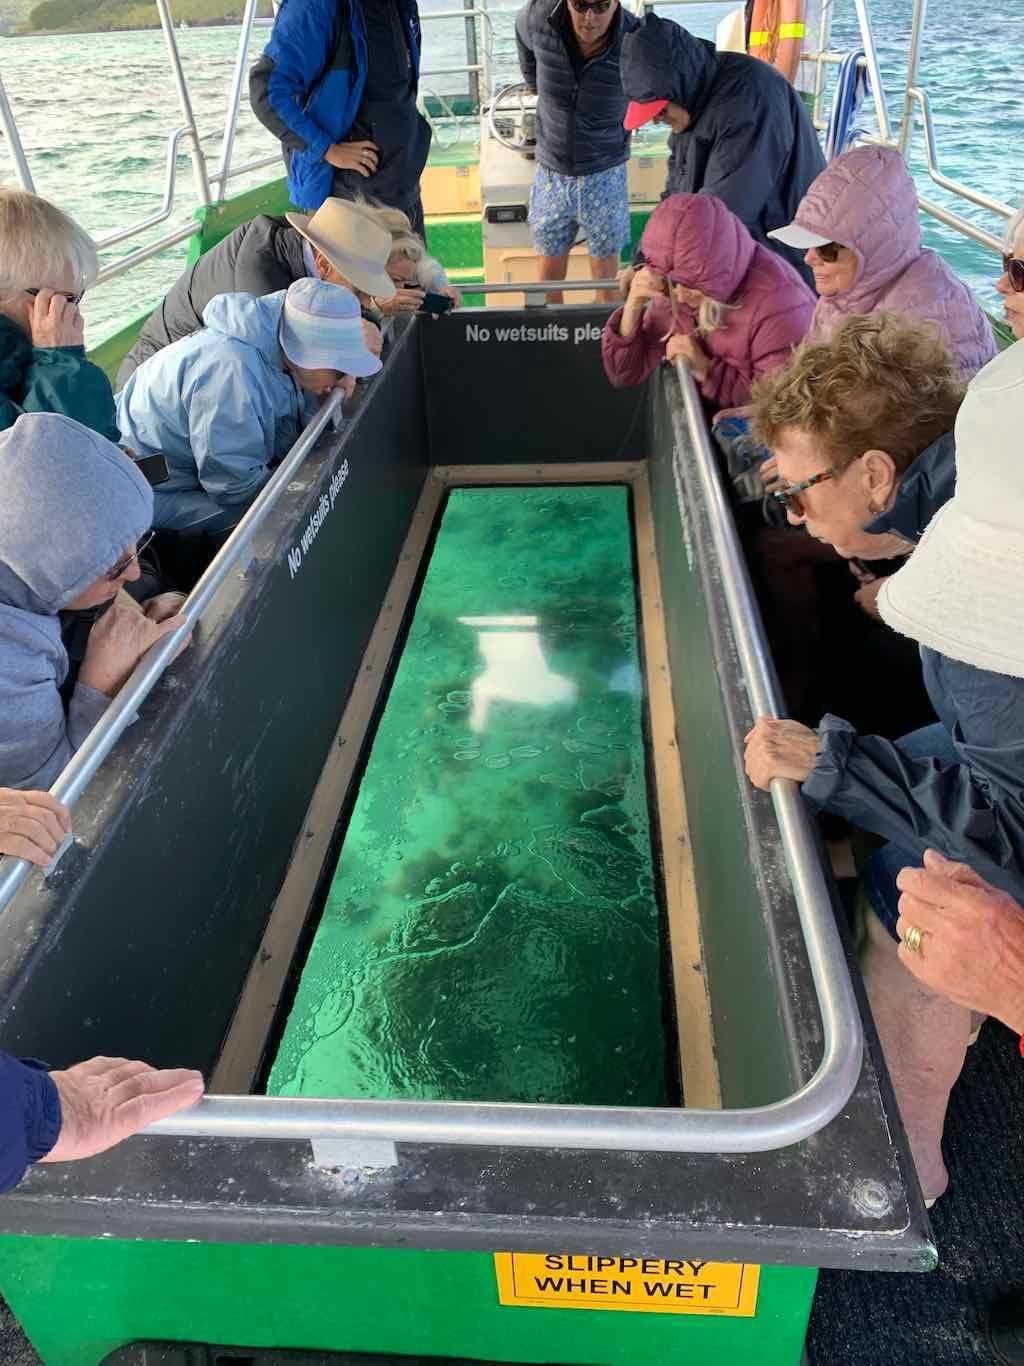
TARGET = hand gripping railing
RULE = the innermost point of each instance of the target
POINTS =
(119, 715)
(758, 1129)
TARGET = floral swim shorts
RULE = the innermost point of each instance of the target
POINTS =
(595, 205)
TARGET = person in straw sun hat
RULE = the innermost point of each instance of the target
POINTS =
(226, 404)
(956, 787)
(340, 243)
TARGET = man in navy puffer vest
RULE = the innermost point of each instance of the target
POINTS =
(569, 53)
(337, 86)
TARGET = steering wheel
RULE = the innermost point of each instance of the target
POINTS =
(503, 102)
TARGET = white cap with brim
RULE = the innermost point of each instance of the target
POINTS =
(793, 235)
(354, 243)
(322, 329)
(962, 590)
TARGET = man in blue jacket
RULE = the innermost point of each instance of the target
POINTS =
(739, 129)
(569, 54)
(61, 1116)
(337, 85)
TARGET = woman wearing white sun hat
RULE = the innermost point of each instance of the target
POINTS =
(960, 789)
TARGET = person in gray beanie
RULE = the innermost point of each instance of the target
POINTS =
(74, 516)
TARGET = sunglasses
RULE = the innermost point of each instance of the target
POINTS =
(789, 497)
(71, 298)
(829, 252)
(1014, 268)
(126, 561)
(594, 7)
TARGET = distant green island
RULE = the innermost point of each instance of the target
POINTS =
(107, 16)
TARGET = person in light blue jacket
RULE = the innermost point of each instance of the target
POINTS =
(225, 405)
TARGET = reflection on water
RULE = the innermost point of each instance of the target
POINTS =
(514, 670)
(492, 929)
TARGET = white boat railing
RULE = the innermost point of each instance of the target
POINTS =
(212, 188)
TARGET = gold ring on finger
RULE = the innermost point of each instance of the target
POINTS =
(912, 938)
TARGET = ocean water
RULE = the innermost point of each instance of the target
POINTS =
(502, 820)
(95, 111)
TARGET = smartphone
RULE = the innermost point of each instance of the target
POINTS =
(436, 304)
(153, 469)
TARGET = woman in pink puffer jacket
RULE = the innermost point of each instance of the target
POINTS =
(736, 309)
(860, 228)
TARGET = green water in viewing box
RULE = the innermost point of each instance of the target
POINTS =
(492, 930)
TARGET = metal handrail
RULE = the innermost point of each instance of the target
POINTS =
(235, 99)
(757, 1129)
(141, 254)
(763, 1128)
(167, 207)
(75, 777)
(984, 201)
(10, 127)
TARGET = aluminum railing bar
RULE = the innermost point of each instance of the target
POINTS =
(74, 779)
(184, 100)
(248, 167)
(917, 23)
(13, 137)
(144, 253)
(460, 14)
(956, 187)
(235, 97)
(452, 71)
(961, 225)
(167, 207)
(759, 1129)
(537, 286)
(867, 38)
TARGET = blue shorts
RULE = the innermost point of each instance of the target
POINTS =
(596, 205)
(878, 875)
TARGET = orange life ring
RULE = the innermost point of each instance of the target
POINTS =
(777, 34)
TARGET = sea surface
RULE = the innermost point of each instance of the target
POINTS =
(95, 112)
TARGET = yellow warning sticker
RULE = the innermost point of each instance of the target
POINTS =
(651, 1285)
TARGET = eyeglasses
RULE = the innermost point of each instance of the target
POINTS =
(829, 252)
(126, 561)
(71, 298)
(594, 7)
(789, 497)
(1014, 268)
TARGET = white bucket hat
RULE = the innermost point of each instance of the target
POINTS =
(962, 590)
(354, 243)
(322, 329)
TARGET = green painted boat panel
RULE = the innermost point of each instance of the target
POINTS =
(492, 929)
(80, 1299)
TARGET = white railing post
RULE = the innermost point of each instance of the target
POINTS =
(14, 142)
(185, 101)
(235, 98)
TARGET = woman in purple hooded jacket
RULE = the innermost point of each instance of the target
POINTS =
(732, 309)
(860, 228)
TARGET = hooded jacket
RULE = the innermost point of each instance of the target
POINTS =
(581, 105)
(52, 379)
(221, 408)
(750, 141)
(260, 257)
(697, 242)
(72, 505)
(971, 811)
(927, 485)
(339, 69)
(866, 201)
(30, 1117)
